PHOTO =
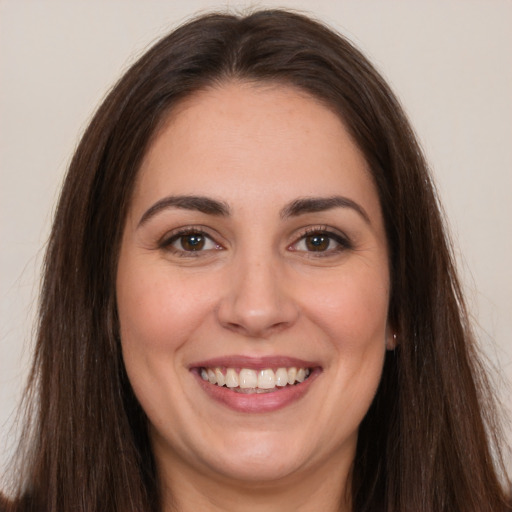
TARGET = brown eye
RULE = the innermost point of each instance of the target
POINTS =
(192, 242)
(324, 243)
(317, 242)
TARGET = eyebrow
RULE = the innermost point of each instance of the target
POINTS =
(319, 204)
(198, 203)
(210, 206)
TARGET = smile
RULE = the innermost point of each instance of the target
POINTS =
(256, 384)
(248, 381)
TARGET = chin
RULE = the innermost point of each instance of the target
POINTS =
(257, 461)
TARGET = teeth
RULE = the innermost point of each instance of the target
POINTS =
(281, 377)
(220, 377)
(292, 373)
(248, 379)
(231, 378)
(266, 379)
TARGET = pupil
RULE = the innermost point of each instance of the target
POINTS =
(317, 242)
(193, 242)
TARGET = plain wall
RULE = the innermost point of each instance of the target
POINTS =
(450, 62)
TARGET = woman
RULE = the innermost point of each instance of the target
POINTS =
(249, 302)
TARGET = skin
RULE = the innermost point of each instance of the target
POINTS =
(256, 289)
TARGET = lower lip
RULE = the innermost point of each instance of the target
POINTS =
(258, 402)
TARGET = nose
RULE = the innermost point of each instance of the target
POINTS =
(258, 301)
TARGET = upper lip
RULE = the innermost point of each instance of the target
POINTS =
(254, 363)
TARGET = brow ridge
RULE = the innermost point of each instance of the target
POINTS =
(211, 206)
(202, 204)
(305, 205)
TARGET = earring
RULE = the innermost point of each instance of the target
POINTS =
(391, 345)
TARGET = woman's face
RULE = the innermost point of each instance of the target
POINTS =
(253, 287)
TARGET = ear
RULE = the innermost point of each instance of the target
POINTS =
(391, 338)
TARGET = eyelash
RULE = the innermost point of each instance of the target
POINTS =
(167, 242)
(343, 242)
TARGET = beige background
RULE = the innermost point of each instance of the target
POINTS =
(449, 61)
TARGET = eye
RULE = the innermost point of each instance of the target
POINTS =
(317, 242)
(321, 241)
(190, 241)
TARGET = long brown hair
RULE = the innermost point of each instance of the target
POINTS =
(429, 441)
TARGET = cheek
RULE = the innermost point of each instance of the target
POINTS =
(352, 307)
(157, 313)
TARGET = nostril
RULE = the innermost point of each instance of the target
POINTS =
(255, 302)
(256, 322)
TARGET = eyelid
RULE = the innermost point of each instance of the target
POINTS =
(343, 241)
(166, 241)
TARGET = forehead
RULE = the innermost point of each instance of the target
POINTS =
(264, 138)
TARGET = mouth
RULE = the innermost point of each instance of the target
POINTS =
(249, 381)
(256, 385)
